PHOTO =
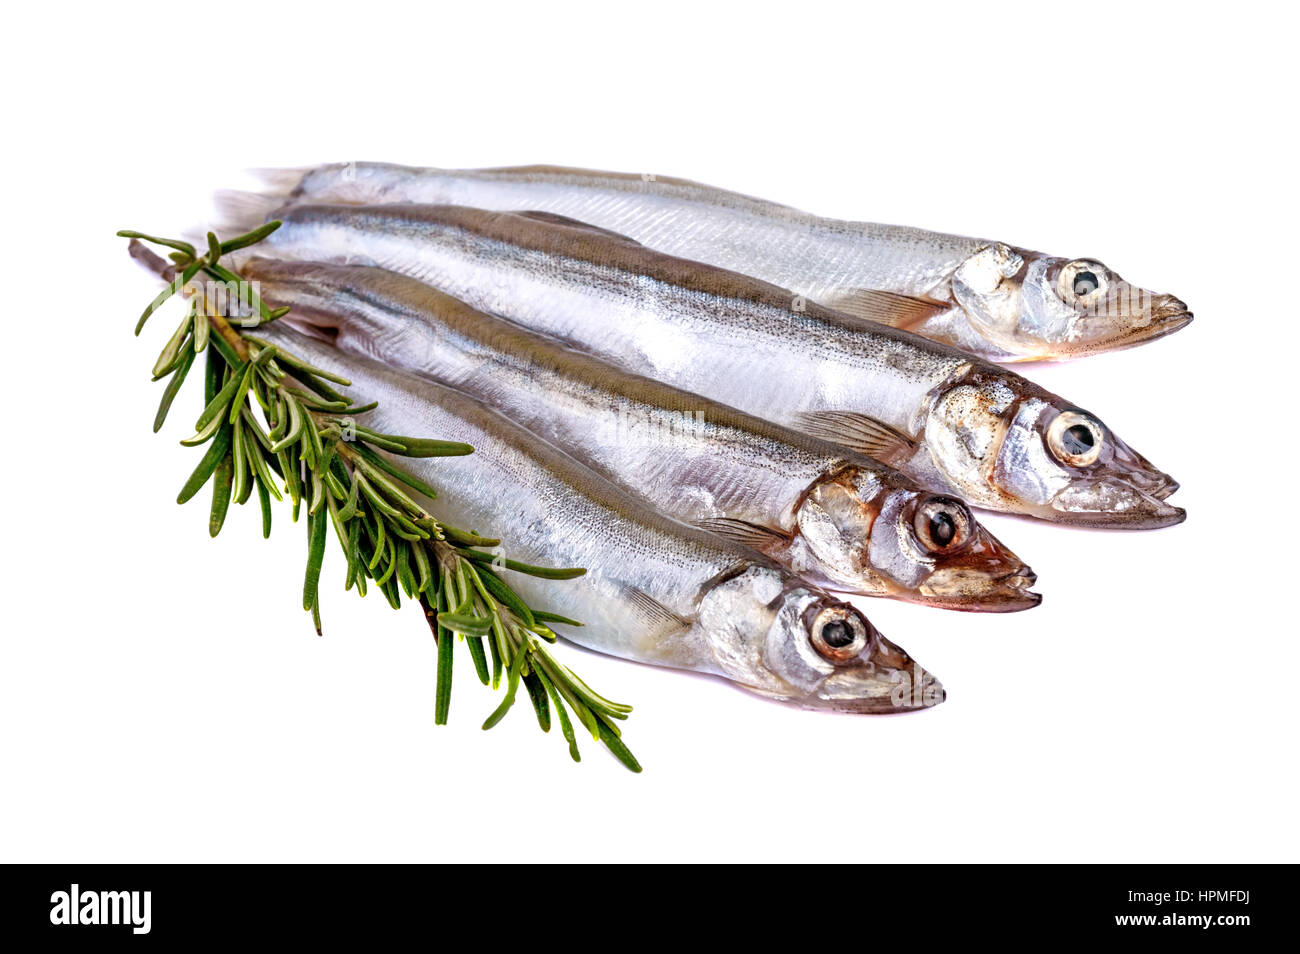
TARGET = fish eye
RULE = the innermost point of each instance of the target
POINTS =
(1083, 281)
(1075, 439)
(839, 634)
(942, 524)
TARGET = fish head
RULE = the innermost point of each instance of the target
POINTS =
(865, 534)
(778, 636)
(1006, 445)
(1042, 307)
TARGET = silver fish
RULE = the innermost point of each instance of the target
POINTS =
(655, 591)
(988, 298)
(835, 517)
(954, 423)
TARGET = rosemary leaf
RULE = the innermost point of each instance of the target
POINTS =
(464, 623)
(419, 447)
(202, 330)
(181, 281)
(446, 647)
(407, 478)
(219, 403)
(512, 686)
(250, 238)
(214, 372)
(264, 491)
(542, 616)
(241, 461)
(479, 655)
(566, 727)
(315, 556)
(537, 694)
(494, 588)
(171, 351)
(465, 539)
(220, 446)
(172, 388)
(221, 486)
(545, 572)
(615, 745)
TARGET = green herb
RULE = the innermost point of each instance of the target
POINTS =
(277, 426)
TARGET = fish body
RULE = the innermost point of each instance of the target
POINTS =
(655, 591)
(835, 517)
(989, 298)
(955, 424)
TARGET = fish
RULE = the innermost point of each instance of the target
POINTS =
(833, 516)
(999, 301)
(655, 591)
(954, 423)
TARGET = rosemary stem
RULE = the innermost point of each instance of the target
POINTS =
(228, 334)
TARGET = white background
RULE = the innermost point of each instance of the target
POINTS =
(163, 697)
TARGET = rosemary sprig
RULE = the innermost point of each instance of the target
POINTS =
(274, 425)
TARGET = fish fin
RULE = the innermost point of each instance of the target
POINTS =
(858, 432)
(656, 612)
(554, 218)
(752, 535)
(886, 308)
(286, 184)
(236, 212)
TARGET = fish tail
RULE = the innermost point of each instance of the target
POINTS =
(236, 212)
(286, 183)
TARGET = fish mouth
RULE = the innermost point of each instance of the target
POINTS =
(888, 680)
(985, 578)
(974, 592)
(1126, 493)
(1111, 504)
(1131, 468)
(1168, 314)
(1165, 315)
(1164, 488)
(1146, 479)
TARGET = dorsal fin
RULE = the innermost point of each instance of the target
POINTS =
(756, 537)
(554, 218)
(886, 308)
(858, 432)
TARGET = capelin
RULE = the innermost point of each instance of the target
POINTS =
(858, 533)
(1040, 307)
(1067, 466)
(827, 655)
(1004, 444)
(777, 636)
(872, 676)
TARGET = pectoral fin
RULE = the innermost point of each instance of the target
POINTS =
(886, 308)
(760, 538)
(658, 615)
(858, 432)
